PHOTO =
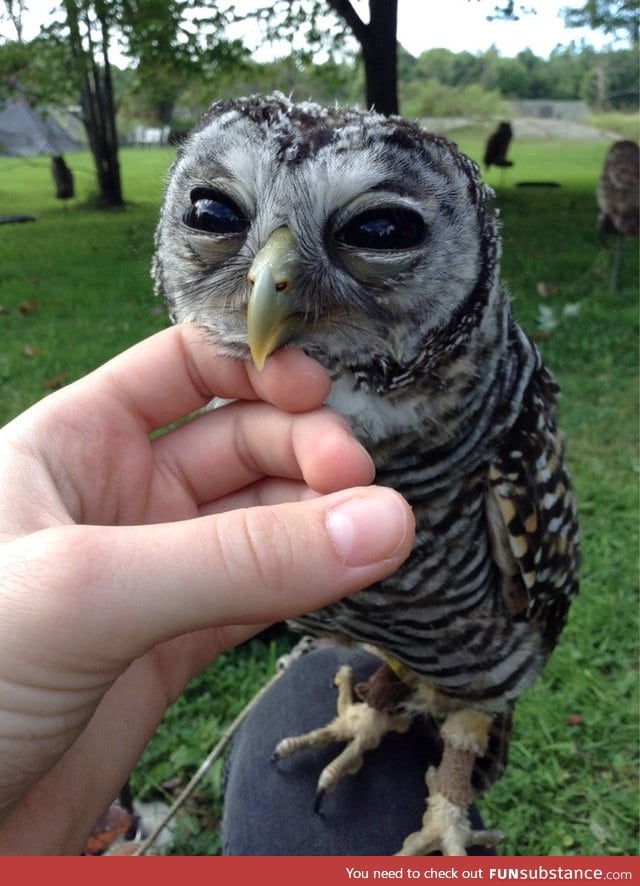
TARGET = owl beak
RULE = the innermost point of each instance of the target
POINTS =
(272, 278)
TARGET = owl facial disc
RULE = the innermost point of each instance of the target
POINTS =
(271, 320)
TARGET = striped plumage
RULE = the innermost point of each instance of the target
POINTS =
(449, 613)
(385, 241)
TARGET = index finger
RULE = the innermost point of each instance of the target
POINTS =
(178, 370)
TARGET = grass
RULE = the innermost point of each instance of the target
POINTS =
(74, 290)
(74, 285)
(625, 125)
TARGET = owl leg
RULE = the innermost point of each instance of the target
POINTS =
(445, 824)
(358, 723)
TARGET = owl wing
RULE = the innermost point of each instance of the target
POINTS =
(532, 516)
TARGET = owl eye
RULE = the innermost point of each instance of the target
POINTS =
(214, 212)
(381, 229)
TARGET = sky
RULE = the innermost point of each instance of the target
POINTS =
(462, 25)
(457, 25)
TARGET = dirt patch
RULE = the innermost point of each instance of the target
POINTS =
(530, 127)
(526, 127)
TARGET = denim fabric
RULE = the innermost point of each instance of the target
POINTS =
(268, 806)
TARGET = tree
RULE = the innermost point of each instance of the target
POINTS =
(378, 43)
(613, 85)
(614, 18)
(508, 76)
(539, 84)
(88, 25)
(66, 63)
(377, 38)
(610, 16)
(14, 10)
(173, 41)
(160, 35)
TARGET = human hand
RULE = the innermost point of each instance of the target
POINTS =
(113, 595)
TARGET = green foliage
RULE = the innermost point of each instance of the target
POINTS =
(508, 76)
(431, 98)
(571, 783)
(609, 16)
(40, 70)
(74, 284)
(313, 24)
(623, 125)
(192, 727)
(169, 51)
(620, 74)
(571, 72)
(294, 75)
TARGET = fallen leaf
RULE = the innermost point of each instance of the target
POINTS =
(546, 290)
(540, 336)
(3, 311)
(31, 351)
(114, 823)
(30, 307)
(574, 720)
(56, 382)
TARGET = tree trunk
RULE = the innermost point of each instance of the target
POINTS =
(601, 85)
(380, 58)
(112, 192)
(98, 110)
(378, 40)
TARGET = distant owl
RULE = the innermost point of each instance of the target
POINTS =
(617, 191)
(618, 196)
(372, 245)
(495, 153)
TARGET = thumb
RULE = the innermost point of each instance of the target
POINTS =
(126, 589)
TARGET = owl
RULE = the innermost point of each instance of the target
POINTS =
(373, 246)
(495, 153)
(617, 189)
(618, 199)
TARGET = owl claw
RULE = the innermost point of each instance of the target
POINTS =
(446, 828)
(358, 724)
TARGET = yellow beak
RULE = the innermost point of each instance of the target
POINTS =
(272, 278)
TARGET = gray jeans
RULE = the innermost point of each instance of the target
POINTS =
(268, 807)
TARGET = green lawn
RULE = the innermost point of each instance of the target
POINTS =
(75, 289)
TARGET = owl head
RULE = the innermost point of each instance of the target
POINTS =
(360, 237)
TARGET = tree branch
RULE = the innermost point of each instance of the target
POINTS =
(345, 10)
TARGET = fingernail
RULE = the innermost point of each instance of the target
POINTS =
(369, 528)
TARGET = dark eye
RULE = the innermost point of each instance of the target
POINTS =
(396, 228)
(214, 212)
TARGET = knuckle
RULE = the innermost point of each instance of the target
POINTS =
(265, 556)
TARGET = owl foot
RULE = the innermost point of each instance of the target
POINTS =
(357, 723)
(445, 827)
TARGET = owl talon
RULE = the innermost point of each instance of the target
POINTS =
(446, 828)
(358, 724)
